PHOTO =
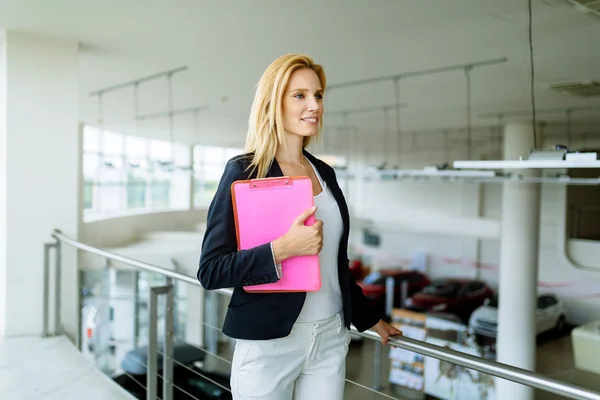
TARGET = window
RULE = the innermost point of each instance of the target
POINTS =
(373, 278)
(414, 277)
(545, 302)
(124, 173)
(473, 287)
(583, 206)
(448, 289)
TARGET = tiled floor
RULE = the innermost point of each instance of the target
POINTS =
(33, 368)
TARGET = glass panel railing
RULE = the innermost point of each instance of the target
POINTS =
(157, 333)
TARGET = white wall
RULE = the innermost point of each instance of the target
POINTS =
(3, 183)
(39, 175)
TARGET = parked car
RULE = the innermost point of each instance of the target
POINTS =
(189, 381)
(373, 285)
(452, 296)
(550, 315)
(92, 324)
(357, 269)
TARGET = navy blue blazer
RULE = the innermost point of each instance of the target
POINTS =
(261, 316)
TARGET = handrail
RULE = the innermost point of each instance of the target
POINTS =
(489, 367)
(494, 368)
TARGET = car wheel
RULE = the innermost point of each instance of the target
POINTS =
(561, 324)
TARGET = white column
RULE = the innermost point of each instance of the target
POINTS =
(38, 174)
(518, 274)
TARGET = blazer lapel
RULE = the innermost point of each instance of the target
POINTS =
(329, 178)
(332, 184)
(275, 170)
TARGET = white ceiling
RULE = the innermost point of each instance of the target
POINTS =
(228, 44)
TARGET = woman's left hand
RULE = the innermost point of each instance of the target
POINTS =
(385, 330)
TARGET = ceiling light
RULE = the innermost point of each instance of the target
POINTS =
(554, 158)
(526, 164)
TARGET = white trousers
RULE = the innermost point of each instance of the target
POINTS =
(308, 364)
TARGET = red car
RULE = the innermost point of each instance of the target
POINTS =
(373, 285)
(451, 296)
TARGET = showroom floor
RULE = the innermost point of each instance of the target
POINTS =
(555, 359)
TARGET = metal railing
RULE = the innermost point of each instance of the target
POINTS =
(493, 368)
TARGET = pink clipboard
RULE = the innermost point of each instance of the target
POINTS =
(264, 210)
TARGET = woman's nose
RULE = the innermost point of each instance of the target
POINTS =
(314, 105)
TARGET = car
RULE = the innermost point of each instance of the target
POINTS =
(373, 286)
(190, 382)
(455, 296)
(92, 324)
(550, 315)
(357, 269)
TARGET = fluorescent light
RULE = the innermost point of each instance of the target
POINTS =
(526, 164)
(388, 174)
(432, 171)
(563, 180)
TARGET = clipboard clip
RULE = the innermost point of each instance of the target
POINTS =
(270, 183)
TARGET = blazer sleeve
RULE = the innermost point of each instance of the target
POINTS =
(363, 315)
(221, 264)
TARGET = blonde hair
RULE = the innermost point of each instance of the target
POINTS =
(265, 125)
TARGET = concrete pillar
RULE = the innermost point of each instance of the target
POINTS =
(516, 342)
(39, 182)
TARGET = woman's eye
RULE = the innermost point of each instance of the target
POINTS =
(319, 96)
(299, 96)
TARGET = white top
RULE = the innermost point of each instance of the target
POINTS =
(326, 302)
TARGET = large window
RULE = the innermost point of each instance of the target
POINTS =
(129, 173)
(123, 173)
(583, 206)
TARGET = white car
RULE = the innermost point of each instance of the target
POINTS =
(550, 314)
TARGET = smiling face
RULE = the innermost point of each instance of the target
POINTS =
(302, 103)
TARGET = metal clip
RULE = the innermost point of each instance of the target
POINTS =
(269, 183)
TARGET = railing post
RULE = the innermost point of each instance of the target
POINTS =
(46, 290)
(377, 367)
(136, 309)
(47, 247)
(80, 283)
(168, 343)
(389, 306)
(389, 295)
(152, 345)
(57, 284)
(103, 332)
(211, 316)
(152, 359)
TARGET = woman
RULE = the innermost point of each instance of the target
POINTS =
(288, 344)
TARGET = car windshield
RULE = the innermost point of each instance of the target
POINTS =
(443, 289)
(373, 278)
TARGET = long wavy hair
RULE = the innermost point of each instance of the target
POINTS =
(265, 125)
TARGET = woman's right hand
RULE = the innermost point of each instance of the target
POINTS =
(300, 239)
